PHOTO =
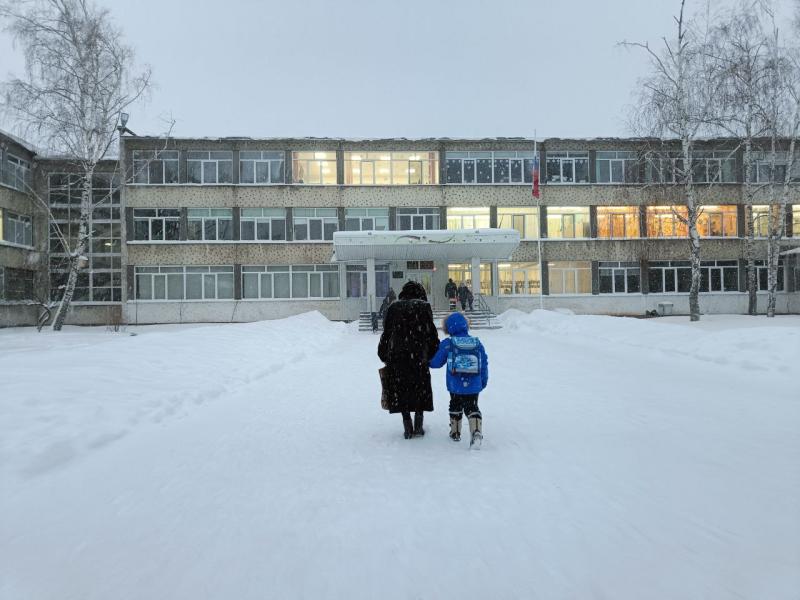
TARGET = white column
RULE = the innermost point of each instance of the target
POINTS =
(371, 304)
(476, 275)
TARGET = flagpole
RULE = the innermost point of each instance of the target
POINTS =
(538, 218)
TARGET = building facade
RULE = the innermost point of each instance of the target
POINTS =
(240, 229)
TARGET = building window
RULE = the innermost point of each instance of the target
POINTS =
(417, 219)
(156, 224)
(796, 222)
(617, 167)
(16, 229)
(16, 284)
(762, 272)
(496, 168)
(468, 217)
(519, 279)
(314, 168)
(315, 224)
(761, 219)
(567, 167)
(263, 224)
(209, 168)
(391, 168)
(209, 224)
(462, 272)
(366, 219)
(620, 222)
(568, 222)
(761, 170)
(717, 221)
(356, 280)
(261, 168)
(184, 283)
(669, 277)
(17, 173)
(570, 277)
(664, 168)
(713, 167)
(667, 222)
(524, 219)
(155, 167)
(620, 278)
(296, 281)
(101, 280)
(719, 276)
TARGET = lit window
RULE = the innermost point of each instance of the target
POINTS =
(567, 167)
(418, 219)
(391, 168)
(667, 221)
(519, 279)
(366, 219)
(468, 218)
(568, 222)
(209, 168)
(717, 221)
(570, 277)
(155, 167)
(314, 168)
(524, 219)
(485, 167)
(619, 222)
(617, 167)
(619, 278)
(462, 272)
(261, 168)
(796, 223)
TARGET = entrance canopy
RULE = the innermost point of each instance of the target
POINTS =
(446, 245)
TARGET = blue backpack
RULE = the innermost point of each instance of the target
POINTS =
(464, 357)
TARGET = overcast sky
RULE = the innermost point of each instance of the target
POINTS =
(410, 68)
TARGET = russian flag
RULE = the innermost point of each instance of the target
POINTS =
(535, 176)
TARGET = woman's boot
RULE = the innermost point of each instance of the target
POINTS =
(418, 430)
(408, 426)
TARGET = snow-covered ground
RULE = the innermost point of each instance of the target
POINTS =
(641, 459)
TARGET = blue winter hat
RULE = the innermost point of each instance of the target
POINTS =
(456, 324)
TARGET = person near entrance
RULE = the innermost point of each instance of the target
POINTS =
(467, 376)
(408, 342)
(463, 296)
(451, 293)
(390, 297)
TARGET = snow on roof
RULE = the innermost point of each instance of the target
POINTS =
(17, 140)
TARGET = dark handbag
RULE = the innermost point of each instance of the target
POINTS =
(383, 372)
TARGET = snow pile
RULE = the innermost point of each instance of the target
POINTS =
(750, 343)
(81, 389)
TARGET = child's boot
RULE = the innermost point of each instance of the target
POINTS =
(455, 428)
(475, 423)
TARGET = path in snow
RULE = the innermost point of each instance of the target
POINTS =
(611, 468)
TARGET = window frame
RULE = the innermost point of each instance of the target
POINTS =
(319, 272)
(164, 219)
(267, 215)
(205, 162)
(323, 161)
(524, 268)
(433, 213)
(525, 213)
(676, 268)
(316, 217)
(209, 217)
(627, 269)
(562, 215)
(566, 157)
(157, 156)
(183, 272)
(427, 161)
(576, 272)
(464, 213)
(630, 218)
(370, 214)
(678, 217)
(525, 157)
(270, 158)
(624, 161)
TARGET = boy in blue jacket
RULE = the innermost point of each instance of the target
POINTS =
(467, 376)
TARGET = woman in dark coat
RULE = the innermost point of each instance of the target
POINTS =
(408, 341)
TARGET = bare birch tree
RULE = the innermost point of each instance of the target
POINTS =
(739, 50)
(676, 101)
(77, 83)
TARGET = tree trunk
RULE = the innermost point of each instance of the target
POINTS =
(749, 240)
(692, 213)
(78, 253)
